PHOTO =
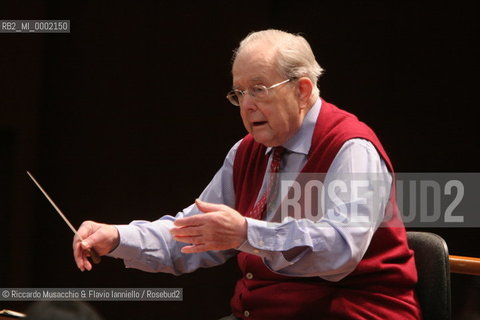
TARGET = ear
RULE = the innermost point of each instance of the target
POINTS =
(304, 90)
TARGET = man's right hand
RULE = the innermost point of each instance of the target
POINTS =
(101, 237)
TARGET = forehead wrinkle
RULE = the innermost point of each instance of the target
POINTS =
(252, 73)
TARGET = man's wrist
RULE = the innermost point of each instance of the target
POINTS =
(116, 241)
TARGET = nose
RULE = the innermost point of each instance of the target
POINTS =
(247, 102)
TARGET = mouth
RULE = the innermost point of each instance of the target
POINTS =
(259, 123)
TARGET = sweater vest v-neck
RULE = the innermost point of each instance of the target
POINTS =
(382, 284)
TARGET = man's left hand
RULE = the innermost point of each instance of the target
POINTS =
(219, 228)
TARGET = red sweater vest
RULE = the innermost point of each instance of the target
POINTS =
(381, 286)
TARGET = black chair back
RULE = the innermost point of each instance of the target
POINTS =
(433, 287)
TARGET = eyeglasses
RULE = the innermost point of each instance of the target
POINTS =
(257, 92)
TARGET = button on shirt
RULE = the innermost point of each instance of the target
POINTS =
(329, 248)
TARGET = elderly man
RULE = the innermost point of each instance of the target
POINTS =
(294, 267)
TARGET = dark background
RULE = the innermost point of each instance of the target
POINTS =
(126, 118)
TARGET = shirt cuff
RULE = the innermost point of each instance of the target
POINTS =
(254, 244)
(262, 234)
(264, 241)
(126, 248)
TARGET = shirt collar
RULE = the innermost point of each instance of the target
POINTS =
(301, 141)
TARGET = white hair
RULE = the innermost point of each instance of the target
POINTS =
(294, 56)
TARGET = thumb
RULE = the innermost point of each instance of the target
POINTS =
(207, 206)
(91, 241)
(86, 244)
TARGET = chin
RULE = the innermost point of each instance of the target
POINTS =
(265, 139)
(266, 143)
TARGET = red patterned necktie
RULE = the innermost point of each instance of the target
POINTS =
(259, 209)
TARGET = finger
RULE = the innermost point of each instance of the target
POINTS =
(94, 239)
(83, 231)
(208, 206)
(186, 231)
(86, 229)
(81, 256)
(189, 240)
(192, 221)
(201, 247)
(86, 262)
(87, 243)
(77, 255)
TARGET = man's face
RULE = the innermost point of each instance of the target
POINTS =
(273, 120)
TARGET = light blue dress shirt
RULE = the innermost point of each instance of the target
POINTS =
(329, 247)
